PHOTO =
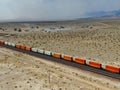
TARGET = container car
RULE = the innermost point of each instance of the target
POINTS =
(66, 57)
(79, 60)
(18, 45)
(6, 43)
(94, 64)
(2, 42)
(12, 44)
(34, 50)
(27, 48)
(9, 44)
(111, 68)
(49, 53)
(40, 51)
(56, 55)
(23, 47)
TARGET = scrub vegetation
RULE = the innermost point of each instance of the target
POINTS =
(23, 72)
(95, 40)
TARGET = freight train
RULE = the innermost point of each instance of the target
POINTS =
(78, 60)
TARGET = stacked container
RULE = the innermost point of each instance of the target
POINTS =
(27, 48)
(40, 51)
(2, 42)
(111, 68)
(67, 57)
(56, 55)
(79, 60)
(49, 53)
(34, 49)
(18, 45)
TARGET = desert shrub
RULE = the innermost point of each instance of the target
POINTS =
(37, 27)
(15, 29)
(32, 27)
(19, 30)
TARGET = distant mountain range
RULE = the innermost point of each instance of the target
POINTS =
(103, 14)
(92, 16)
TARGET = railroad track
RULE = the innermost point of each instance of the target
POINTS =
(68, 63)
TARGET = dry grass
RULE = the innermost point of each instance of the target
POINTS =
(100, 43)
(23, 72)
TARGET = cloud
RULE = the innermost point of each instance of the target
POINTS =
(53, 9)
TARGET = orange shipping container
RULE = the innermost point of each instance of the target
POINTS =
(1, 42)
(112, 68)
(95, 64)
(66, 57)
(27, 48)
(18, 46)
(56, 55)
(22, 47)
(80, 60)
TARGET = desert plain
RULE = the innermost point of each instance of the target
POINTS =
(97, 40)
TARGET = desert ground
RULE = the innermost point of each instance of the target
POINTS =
(97, 40)
(19, 71)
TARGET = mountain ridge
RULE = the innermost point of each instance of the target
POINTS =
(103, 14)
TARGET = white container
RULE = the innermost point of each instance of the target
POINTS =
(40, 51)
(9, 44)
(34, 49)
(6, 43)
(12, 44)
(49, 53)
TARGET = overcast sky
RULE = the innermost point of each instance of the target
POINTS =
(53, 9)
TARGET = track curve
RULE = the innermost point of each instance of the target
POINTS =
(73, 64)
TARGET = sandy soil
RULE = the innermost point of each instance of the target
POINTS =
(19, 71)
(96, 40)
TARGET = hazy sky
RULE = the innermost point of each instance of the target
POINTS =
(53, 9)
